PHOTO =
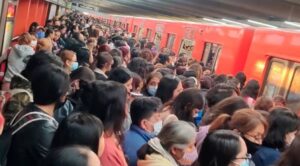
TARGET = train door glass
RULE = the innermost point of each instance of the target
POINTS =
(149, 34)
(52, 11)
(293, 95)
(211, 54)
(157, 40)
(275, 79)
(141, 32)
(127, 27)
(135, 29)
(170, 41)
(9, 26)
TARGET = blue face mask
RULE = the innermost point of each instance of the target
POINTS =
(74, 66)
(198, 118)
(152, 90)
(245, 163)
(40, 34)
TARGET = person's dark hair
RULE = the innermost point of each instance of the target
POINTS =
(166, 87)
(190, 82)
(220, 79)
(135, 52)
(120, 74)
(206, 82)
(264, 103)
(76, 35)
(143, 108)
(107, 101)
(242, 78)
(190, 73)
(149, 45)
(251, 89)
(226, 106)
(219, 148)
(84, 74)
(101, 40)
(103, 58)
(281, 122)
(141, 67)
(136, 81)
(49, 83)
(116, 52)
(33, 26)
(146, 54)
(68, 156)
(39, 59)
(165, 71)
(48, 32)
(131, 42)
(120, 43)
(163, 59)
(79, 129)
(186, 102)
(218, 93)
(291, 156)
(118, 61)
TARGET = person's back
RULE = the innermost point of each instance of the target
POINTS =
(31, 143)
(33, 137)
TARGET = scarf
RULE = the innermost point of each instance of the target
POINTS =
(155, 144)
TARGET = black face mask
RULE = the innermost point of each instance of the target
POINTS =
(252, 147)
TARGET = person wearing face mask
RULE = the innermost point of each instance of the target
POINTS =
(283, 127)
(146, 123)
(172, 143)
(70, 60)
(224, 148)
(152, 84)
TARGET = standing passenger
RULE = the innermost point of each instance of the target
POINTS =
(31, 143)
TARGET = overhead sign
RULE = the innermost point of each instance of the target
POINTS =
(187, 47)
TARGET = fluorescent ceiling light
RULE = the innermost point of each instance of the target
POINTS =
(214, 21)
(234, 22)
(86, 13)
(262, 24)
(295, 24)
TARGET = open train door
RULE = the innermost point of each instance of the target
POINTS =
(7, 13)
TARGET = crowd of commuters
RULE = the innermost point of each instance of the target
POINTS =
(83, 93)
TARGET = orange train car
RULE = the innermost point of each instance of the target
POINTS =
(268, 55)
(223, 48)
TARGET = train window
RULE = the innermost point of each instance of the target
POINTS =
(157, 39)
(149, 34)
(141, 32)
(170, 41)
(293, 95)
(135, 29)
(275, 79)
(187, 47)
(211, 54)
(127, 27)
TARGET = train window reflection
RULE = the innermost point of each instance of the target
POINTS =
(211, 54)
(275, 79)
(149, 33)
(170, 41)
(157, 39)
(294, 91)
(135, 29)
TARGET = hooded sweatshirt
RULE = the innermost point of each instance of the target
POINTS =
(17, 60)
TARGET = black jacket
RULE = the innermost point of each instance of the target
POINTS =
(100, 76)
(31, 144)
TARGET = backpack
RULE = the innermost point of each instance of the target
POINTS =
(14, 101)
(14, 127)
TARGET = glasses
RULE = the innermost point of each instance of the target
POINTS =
(247, 158)
(257, 137)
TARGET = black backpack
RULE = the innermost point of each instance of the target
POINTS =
(14, 127)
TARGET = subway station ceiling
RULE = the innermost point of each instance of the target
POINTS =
(277, 13)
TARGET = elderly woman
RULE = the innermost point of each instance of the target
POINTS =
(172, 143)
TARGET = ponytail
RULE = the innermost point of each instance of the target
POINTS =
(221, 122)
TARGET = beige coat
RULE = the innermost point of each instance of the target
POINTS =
(154, 160)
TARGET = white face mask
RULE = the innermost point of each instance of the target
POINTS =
(157, 127)
(33, 43)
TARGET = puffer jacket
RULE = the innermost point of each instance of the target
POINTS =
(31, 144)
(17, 60)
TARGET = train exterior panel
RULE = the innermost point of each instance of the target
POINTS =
(232, 43)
